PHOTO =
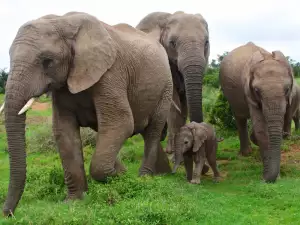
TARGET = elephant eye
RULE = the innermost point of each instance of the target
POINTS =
(257, 91)
(206, 43)
(47, 63)
(287, 90)
(173, 43)
(186, 142)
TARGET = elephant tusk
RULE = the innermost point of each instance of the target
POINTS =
(176, 107)
(27, 106)
(2, 107)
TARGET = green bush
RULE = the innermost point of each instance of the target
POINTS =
(211, 78)
(88, 137)
(3, 79)
(221, 114)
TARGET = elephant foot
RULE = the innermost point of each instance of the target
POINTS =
(144, 171)
(120, 168)
(74, 196)
(205, 169)
(216, 179)
(195, 181)
(162, 165)
(246, 152)
(286, 135)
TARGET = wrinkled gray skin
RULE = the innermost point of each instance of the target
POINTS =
(186, 40)
(197, 142)
(98, 77)
(258, 86)
(296, 119)
(294, 112)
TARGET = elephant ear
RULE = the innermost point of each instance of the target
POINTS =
(203, 21)
(198, 139)
(247, 77)
(279, 56)
(94, 51)
(154, 24)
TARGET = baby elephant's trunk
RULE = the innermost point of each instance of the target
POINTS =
(175, 168)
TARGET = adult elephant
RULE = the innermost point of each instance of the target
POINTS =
(186, 40)
(259, 85)
(98, 77)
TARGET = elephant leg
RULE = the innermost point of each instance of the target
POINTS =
(67, 136)
(245, 149)
(287, 124)
(175, 120)
(162, 164)
(253, 138)
(155, 160)
(115, 121)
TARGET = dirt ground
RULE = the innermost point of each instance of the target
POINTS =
(39, 106)
(292, 156)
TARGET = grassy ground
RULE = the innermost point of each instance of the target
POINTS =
(240, 198)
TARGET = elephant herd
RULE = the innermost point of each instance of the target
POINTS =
(121, 81)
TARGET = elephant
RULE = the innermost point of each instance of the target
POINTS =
(296, 119)
(196, 142)
(98, 76)
(294, 112)
(185, 38)
(264, 81)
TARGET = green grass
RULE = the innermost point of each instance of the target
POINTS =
(240, 198)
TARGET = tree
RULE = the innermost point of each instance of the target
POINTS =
(295, 66)
(3, 79)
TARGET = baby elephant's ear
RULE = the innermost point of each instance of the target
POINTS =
(198, 141)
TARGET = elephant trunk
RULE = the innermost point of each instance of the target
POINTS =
(271, 156)
(192, 63)
(177, 154)
(15, 129)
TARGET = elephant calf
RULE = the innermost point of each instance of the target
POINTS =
(196, 142)
(294, 113)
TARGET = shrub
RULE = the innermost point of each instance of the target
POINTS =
(88, 137)
(3, 79)
(221, 114)
(211, 78)
(40, 139)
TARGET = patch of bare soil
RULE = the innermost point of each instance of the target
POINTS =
(292, 156)
(38, 120)
(40, 106)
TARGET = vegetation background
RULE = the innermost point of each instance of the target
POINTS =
(240, 198)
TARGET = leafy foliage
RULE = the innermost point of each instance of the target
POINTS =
(221, 114)
(295, 65)
(3, 79)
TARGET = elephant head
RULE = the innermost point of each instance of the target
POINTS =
(268, 84)
(72, 51)
(189, 141)
(185, 38)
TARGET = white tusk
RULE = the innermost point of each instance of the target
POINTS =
(27, 106)
(2, 107)
(176, 107)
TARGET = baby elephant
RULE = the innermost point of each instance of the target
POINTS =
(194, 143)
